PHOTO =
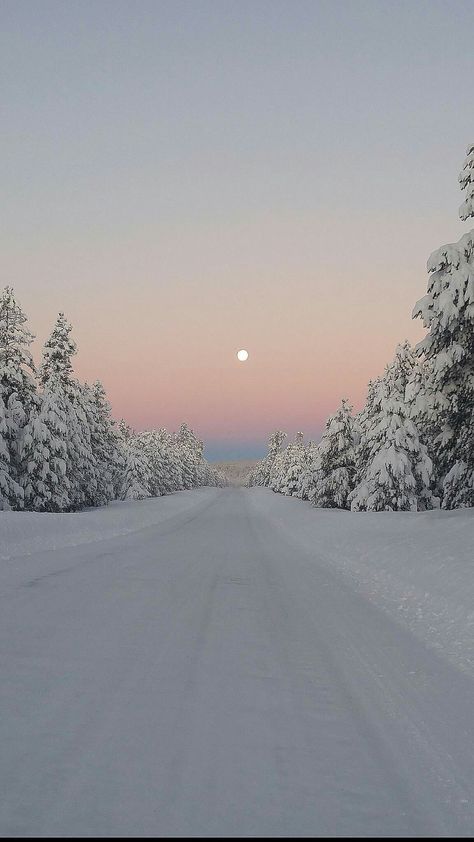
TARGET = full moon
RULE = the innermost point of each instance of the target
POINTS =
(242, 355)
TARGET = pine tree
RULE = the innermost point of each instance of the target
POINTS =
(190, 451)
(153, 449)
(17, 391)
(104, 444)
(43, 453)
(277, 472)
(397, 474)
(264, 471)
(419, 398)
(275, 460)
(293, 467)
(137, 480)
(447, 311)
(365, 423)
(334, 476)
(10, 492)
(309, 466)
(57, 377)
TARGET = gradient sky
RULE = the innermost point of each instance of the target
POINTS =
(184, 179)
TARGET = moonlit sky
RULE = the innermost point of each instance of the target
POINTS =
(185, 179)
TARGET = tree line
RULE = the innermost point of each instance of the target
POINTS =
(60, 448)
(411, 447)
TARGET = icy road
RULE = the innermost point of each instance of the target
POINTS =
(209, 674)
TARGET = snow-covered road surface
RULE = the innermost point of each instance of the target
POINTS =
(211, 674)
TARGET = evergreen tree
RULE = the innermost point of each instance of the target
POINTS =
(275, 460)
(334, 476)
(137, 476)
(104, 444)
(265, 471)
(419, 398)
(43, 453)
(366, 420)
(10, 492)
(293, 467)
(190, 454)
(57, 377)
(172, 477)
(309, 466)
(447, 311)
(277, 472)
(17, 390)
(398, 471)
(152, 446)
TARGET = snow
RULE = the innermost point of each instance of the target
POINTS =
(27, 533)
(232, 661)
(418, 566)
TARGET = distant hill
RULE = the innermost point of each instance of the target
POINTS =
(238, 471)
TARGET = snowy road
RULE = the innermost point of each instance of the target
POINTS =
(207, 675)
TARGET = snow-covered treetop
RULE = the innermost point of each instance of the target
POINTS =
(16, 362)
(275, 442)
(466, 180)
(448, 307)
(399, 371)
(58, 351)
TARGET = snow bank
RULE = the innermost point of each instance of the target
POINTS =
(417, 566)
(24, 533)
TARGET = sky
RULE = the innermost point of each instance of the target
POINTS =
(187, 178)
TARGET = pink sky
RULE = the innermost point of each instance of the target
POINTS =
(316, 316)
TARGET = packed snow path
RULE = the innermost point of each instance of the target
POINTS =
(207, 675)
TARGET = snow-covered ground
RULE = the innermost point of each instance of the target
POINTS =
(229, 661)
(417, 565)
(29, 533)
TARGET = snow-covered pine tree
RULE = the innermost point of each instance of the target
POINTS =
(293, 466)
(186, 455)
(273, 460)
(420, 402)
(310, 464)
(5, 478)
(199, 461)
(57, 377)
(157, 462)
(276, 442)
(154, 450)
(277, 472)
(123, 433)
(398, 470)
(43, 453)
(104, 443)
(447, 311)
(255, 475)
(334, 477)
(137, 475)
(190, 451)
(261, 473)
(10, 491)
(172, 468)
(276, 460)
(17, 390)
(366, 421)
